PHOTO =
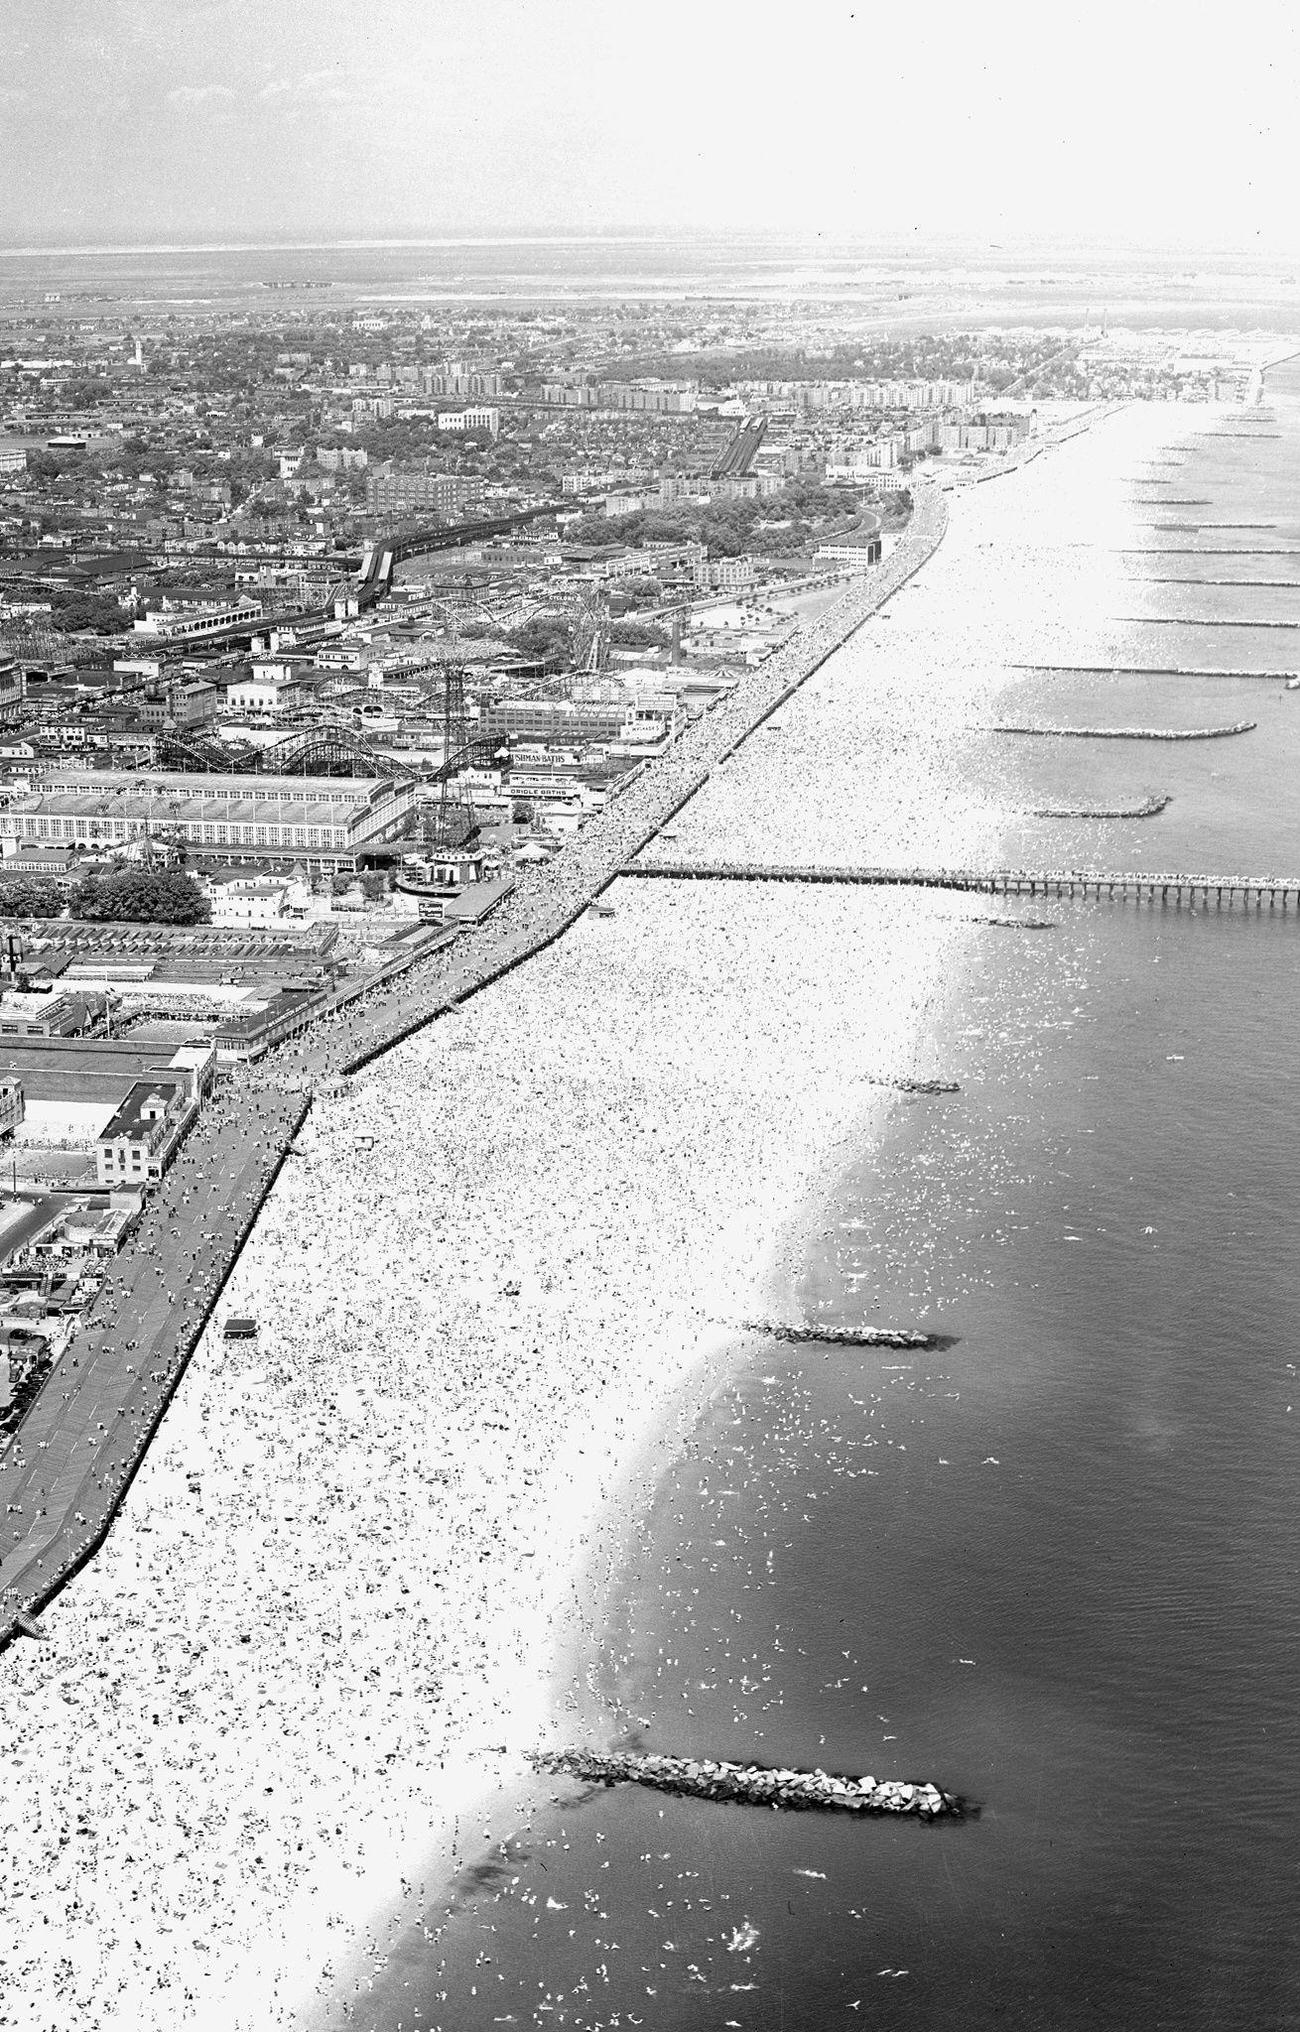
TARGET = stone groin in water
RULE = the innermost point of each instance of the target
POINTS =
(1166, 669)
(1150, 807)
(755, 1784)
(1200, 621)
(1127, 733)
(1001, 923)
(836, 1337)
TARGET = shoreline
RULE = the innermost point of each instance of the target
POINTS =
(505, 1785)
(584, 1706)
(547, 1317)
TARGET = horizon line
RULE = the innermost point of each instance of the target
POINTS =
(976, 243)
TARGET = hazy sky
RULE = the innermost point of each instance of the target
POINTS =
(231, 119)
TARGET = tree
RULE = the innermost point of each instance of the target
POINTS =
(626, 593)
(547, 637)
(29, 896)
(639, 635)
(599, 530)
(73, 613)
(374, 884)
(86, 392)
(141, 895)
(521, 812)
(43, 465)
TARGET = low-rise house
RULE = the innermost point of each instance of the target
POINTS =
(249, 899)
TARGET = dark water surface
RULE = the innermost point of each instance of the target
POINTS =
(1055, 1566)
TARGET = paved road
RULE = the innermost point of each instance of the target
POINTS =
(79, 1444)
(37, 1214)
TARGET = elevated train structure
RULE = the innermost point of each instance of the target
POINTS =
(739, 453)
(372, 583)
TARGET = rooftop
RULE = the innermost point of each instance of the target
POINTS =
(160, 784)
(84, 1070)
(244, 807)
(130, 1119)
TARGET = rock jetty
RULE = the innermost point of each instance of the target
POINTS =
(1015, 923)
(1150, 807)
(1167, 669)
(1132, 733)
(755, 1784)
(828, 1336)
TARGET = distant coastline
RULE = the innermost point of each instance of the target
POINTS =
(53, 251)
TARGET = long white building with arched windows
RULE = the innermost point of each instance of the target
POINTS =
(325, 819)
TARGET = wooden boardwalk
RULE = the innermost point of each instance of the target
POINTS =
(1220, 891)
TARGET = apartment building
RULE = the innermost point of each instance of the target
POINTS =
(398, 491)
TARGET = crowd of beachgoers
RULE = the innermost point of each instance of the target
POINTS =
(846, 773)
(324, 1621)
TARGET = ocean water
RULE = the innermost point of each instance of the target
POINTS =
(1054, 1564)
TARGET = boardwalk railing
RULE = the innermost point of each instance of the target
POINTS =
(1220, 890)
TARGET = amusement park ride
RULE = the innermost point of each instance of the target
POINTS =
(446, 844)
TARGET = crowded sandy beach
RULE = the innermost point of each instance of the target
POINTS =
(329, 1620)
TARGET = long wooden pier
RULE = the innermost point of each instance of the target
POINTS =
(1175, 891)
